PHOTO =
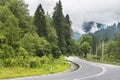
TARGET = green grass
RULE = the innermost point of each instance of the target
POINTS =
(59, 65)
(19, 72)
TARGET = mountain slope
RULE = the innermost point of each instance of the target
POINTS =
(108, 33)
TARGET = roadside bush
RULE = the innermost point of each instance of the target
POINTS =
(44, 60)
(15, 62)
(9, 62)
(34, 63)
(6, 51)
(20, 61)
(22, 52)
(32, 43)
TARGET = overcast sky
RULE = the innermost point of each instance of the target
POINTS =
(103, 11)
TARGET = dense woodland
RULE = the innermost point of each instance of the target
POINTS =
(106, 40)
(32, 41)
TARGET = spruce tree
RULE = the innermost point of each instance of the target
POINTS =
(68, 34)
(58, 18)
(40, 22)
(67, 27)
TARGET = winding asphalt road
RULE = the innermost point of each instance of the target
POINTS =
(87, 71)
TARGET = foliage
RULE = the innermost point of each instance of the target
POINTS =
(117, 45)
(51, 31)
(86, 38)
(85, 44)
(68, 34)
(63, 27)
(12, 31)
(33, 42)
(108, 33)
(49, 66)
(111, 50)
(94, 43)
(35, 45)
(40, 22)
(56, 51)
(6, 51)
(58, 22)
(20, 11)
(76, 49)
(85, 48)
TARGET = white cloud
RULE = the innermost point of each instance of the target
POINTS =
(104, 11)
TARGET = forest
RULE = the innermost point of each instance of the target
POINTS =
(32, 43)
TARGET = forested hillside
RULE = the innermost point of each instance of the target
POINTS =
(108, 33)
(104, 43)
(33, 41)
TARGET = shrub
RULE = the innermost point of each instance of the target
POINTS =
(33, 64)
(9, 62)
(6, 51)
(35, 44)
(22, 52)
(44, 60)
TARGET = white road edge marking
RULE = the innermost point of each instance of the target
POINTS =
(103, 71)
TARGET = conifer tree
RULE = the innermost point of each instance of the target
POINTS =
(58, 18)
(68, 33)
(40, 22)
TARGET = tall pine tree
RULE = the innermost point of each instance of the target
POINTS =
(68, 34)
(58, 18)
(40, 22)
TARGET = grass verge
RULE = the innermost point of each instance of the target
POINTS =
(58, 65)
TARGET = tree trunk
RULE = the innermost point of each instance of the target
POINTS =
(85, 56)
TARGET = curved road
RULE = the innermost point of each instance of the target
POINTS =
(87, 71)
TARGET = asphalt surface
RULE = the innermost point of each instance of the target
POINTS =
(86, 71)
